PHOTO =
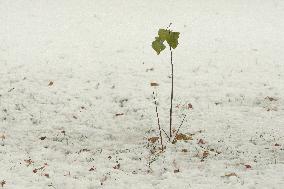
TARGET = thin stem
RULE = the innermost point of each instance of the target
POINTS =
(166, 135)
(172, 92)
(157, 114)
(180, 124)
(169, 26)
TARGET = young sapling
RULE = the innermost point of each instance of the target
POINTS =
(158, 45)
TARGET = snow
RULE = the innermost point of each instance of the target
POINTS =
(76, 105)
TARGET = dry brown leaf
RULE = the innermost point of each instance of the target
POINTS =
(28, 162)
(154, 84)
(153, 139)
(149, 69)
(184, 150)
(84, 150)
(248, 166)
(271, 98)
(174, 141)
(46, 175)
(182, 136)
(50, 83)
(117, 166)
(176, 171)
(201, 141)
(189, 106)
(2, 136)
(231, 175)
(40, 168)
(205, 154)
(119, 114)
(271, 109)
(103, 179)
(2, 183)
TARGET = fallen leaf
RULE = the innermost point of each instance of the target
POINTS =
(201, 141)
(271, 98)
(50, 83)
(182, 136)
(154, 84)
(184, 150)
(189, 106)
(11, 89)
(117, 166)
(92, 169)
(2, 136)
(2, 183)
(46, 175)
(42, 138)
(176, 170)
(153, 139)
(84, 150)
(230, 175)
(119, 114)
(277, 144)
(248, 166)
(29, 162)
(205, 154)
(68, 174)
(149, 69)
(103, 179)
(40, 168)
(271, 109)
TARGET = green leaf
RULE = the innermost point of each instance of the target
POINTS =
(158, 45)
(169, 36)
(164, 34)
(172, 39)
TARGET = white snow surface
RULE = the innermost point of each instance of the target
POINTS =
(76, 105)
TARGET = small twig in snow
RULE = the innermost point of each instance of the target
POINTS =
(157, 114)
(180, 124)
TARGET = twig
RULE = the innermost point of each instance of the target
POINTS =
(11, 89)
(180, 124)
(166, 135)
(169, 26)
(157, 114)
(172, 93)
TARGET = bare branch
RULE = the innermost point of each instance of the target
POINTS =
(158, 119)
(180, 124)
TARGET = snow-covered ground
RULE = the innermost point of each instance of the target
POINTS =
(76, 105)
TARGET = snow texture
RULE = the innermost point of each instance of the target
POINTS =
(76, 105)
